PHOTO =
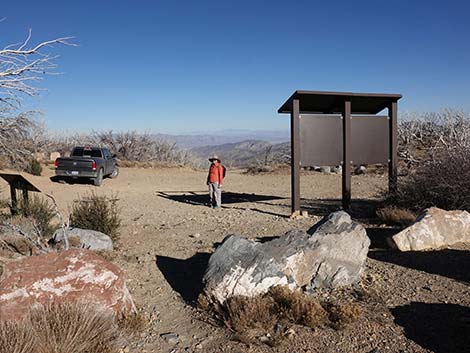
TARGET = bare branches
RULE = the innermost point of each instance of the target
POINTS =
(63, 223)
(19, 138)
(431, 134)
(22, 64)
(141, 147)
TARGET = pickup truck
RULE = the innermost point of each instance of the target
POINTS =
(87, 162)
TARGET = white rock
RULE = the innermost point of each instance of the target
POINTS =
(332, 256)
(89, 239)
(433, 229)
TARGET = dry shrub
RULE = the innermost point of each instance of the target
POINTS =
(394, 216)
(443, 181)
(141, 147)
(436, 148)
(70, 328)
(97, 212)
(240, 313)
(341, 315)
(18, 139)
(41, 212)
(132, 324)
(274, 311)
(298, 307)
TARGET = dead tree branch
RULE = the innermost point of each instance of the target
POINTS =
(22, 64)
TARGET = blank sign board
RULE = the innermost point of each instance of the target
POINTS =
(321, 139)
(369, 139)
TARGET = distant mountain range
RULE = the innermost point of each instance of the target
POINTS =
(191, 141)
(246, 153)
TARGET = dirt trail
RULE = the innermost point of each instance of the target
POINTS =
(168, 234)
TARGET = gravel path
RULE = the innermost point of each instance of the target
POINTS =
(419, 302)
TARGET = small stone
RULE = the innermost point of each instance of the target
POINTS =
(360, 170)
(170, 337)
(264, 339)
(337, 169)
(290, 333)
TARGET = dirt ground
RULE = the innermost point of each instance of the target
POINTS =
(421, 301)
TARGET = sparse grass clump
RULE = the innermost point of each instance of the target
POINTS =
(395, 216)
(95, 212)
(276, 310)
(70, 328)
(16, 338)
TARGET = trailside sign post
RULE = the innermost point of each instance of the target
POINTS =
(18, 182)
(341, 128)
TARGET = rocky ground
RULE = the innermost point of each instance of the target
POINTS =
(413, 302)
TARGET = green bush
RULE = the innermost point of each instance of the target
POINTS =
(34, 167)
(41, 211)
(97, 212)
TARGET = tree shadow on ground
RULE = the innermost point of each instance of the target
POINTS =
(441, 328)
(449, 263)
(184, 276)
(202, 198)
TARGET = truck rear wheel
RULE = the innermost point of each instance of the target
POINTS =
(115, 173)
(99, 179)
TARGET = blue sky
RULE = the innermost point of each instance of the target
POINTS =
(183, 66)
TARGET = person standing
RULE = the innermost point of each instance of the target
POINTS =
(214, 181)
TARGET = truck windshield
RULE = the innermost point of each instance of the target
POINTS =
(86, 152)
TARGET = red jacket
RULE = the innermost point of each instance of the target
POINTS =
(216, 174)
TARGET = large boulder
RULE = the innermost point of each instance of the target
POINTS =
(85, 238)
(433, 229)
(332, 256)
(68, 276)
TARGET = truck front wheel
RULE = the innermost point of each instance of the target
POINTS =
(99, 178)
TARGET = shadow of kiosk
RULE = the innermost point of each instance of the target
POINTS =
(341, 128)
(18, 182)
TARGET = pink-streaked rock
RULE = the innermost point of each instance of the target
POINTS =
(434, 229)
(72, 275)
